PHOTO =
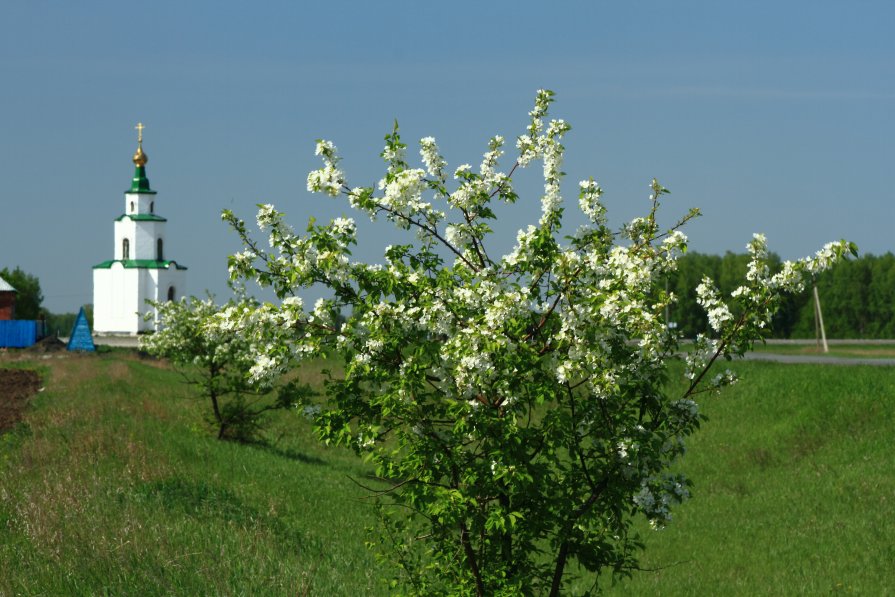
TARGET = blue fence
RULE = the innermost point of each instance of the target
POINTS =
(20, 333)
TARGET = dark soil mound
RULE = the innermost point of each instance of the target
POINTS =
(48, 344)
(16, 387)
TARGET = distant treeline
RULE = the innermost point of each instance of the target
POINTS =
(857, 297)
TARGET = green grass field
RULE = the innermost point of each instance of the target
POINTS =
(115, 485)
(795, 487)
(856, 350)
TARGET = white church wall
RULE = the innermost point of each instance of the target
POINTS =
(116, 300)
(123, 230)
(172, 278)
(155, 287)
(142, 238)
(139, 203)
(102, 300)
(148, 292)
(145, 235)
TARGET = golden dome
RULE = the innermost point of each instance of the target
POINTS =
(140, 158)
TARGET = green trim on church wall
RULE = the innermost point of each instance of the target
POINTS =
(139, 264)
(141, 218)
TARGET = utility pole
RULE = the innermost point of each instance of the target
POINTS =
(819, 321)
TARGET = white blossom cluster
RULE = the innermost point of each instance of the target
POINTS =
(435, 164)
(260, 336)
(208, 335)
(403, 192)
(328, 179)
(757, 300)
(530, 145)
(589, 201)
(709, 299)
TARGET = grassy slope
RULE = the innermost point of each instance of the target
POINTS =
(795, 485)
(114, 485)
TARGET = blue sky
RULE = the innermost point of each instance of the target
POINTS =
(770, 116)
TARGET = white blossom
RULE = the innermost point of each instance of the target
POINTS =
(435, 164)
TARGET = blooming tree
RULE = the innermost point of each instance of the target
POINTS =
(221, 363)
(516, 405)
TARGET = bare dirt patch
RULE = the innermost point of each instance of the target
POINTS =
(17, 386)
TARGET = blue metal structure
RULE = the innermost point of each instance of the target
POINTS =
(81, 338)
(19, 333)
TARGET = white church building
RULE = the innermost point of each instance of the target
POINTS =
(139, 270)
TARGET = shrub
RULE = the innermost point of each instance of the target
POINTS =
(516, 404)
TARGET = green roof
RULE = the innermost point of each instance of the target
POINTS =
(139, 264)
(140, 184)
(141, 218)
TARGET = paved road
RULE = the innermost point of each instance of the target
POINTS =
(816, 359)
(125, 341)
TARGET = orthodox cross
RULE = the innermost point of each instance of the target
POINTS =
(139, 128)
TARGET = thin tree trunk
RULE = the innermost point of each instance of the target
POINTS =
(470, 557)
(563, 553)
(212, 393)
(507, 536)
(217, 415)
(560, 568)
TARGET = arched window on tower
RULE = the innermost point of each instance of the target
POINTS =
(132, 207)
(170, 293)
(160, 254)
(152, 207)
(125, 249)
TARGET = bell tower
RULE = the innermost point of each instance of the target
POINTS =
(139, 270)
